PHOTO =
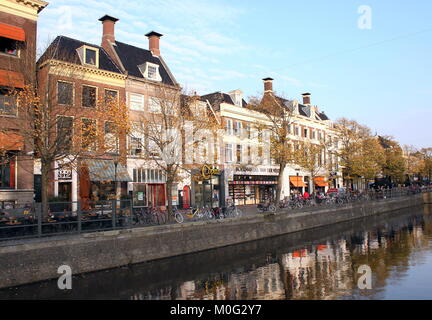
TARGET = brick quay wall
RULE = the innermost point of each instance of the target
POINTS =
(34, 260)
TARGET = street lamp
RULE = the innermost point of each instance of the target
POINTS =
(116, 160)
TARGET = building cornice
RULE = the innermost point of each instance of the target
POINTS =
(28, 9)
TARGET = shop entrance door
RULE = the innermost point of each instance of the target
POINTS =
(156, 195)
(65, 191)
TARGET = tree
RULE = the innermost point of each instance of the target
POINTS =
(426, 167)
(169, 129)
(413, 161)
(359, 152)
(278, 113)
(56, 133)
(394, 162)
(310, 156)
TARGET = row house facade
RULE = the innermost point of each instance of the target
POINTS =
(149, 86)
(18, 29)
(249, 174)
(82, 74)
(76, 80)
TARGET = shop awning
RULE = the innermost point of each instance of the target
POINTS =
(297, 182)
(11, 79)
(104, 171)
(11, 141)
(320, 182)
(12, 32)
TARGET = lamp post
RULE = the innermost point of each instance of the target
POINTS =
(116, 160)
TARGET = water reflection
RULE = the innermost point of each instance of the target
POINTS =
(309, 265)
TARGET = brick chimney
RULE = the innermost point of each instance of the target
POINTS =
(268, 85)
(108, 34)
(306, 99)
(154, 42)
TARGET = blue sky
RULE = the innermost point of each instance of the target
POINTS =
(379, 76)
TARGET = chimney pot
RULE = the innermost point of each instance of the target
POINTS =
(268, 85)
(154, 42)
(306, 98)
(108, 23)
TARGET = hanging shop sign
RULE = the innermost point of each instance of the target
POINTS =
(207, 172)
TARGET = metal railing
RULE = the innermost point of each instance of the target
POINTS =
(63, 218)
(28, 221)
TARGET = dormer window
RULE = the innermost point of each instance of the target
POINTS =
(150, 71)
(89, 56)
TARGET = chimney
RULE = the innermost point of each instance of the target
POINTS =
(108, 23)
(154, 42)
(306, 99)
(268, 85)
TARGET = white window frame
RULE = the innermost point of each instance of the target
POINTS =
(152, 102)
(133, 105)
(228, 152)
(144, 68)
(82, 52)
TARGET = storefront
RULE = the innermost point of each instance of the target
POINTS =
(251, 190)
(297, 184)
(206, 187)
(149, 188)
(98, 179)
(320, 184)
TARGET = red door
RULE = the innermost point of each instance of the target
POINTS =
(186, 197)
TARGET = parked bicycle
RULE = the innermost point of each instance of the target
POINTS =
(266, 206)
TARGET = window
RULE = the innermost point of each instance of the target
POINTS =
(90, 56)
(313, 134)
(297, 131)
(148, 176)
(88, 97)
(7, 104)
(152, 72)
(8, 46)
(64, 132)
(248, 130)
(6, 172)
(155, 105)
(136, 102)
(111, 96)
(111, 139)
(135, 146)
(228, 127)
(239, 153)
(65, 93)
(249, 151)
(260, 155)
(237, 128)
(88, 134)
(228, 153)
(305, 132)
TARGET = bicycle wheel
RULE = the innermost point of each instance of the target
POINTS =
(178, 217)
(210, 214)
(237, 213)
(272, 208)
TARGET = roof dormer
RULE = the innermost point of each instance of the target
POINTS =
(89, 56)
(150, 71)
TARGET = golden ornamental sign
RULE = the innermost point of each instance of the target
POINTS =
(207, 172)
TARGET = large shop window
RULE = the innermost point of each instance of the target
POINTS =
(7, 172)
(7, 104)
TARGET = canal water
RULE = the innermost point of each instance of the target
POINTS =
(315, 264)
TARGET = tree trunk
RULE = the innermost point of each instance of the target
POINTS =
(45, 170)
(169, 185)
(280, 182)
